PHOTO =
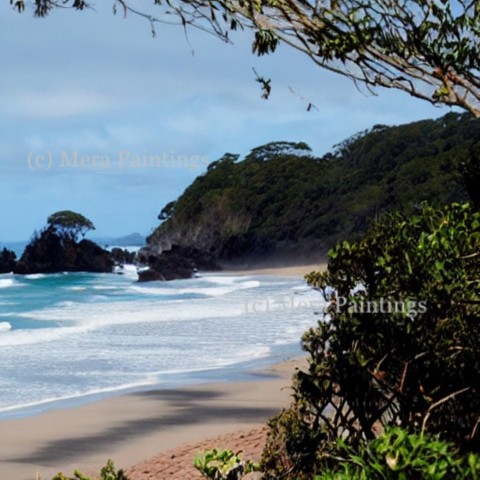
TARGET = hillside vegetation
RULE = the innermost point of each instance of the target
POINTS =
(281, 198)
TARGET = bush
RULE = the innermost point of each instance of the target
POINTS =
(398, 345)
(223, 465)
(398, 455)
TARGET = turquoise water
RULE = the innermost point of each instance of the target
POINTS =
(72, 337)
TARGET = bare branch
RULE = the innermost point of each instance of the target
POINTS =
(441, 402)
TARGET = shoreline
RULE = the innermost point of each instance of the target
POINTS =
(134, 427)
(131, 426)
(255, 369)
(239, 371)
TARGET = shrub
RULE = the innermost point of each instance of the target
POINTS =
(399, 455)
(398, 345)
(106, 473)
(223, 465)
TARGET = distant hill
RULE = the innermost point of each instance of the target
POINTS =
(282, 200)
(132, 240)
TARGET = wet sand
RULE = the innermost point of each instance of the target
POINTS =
(133, 428)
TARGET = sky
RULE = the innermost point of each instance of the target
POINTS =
(99, 117)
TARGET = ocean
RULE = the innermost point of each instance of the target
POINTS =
(70, 338)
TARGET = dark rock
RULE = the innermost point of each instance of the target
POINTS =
(7, 261)
(177, 263)
(92, 258)
(122, 257)
(150, 276)
(49, 252)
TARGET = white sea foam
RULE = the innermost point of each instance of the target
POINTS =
(67, 304)
(130, 271)
(223, 279)
(38, 335)
(302, 288)
(133, 312)
(5, 326)
(204, 364)
(150, 381)
(7, 282)
(81, 318)
(98, 298)
(157, 291)
(104, 287)
(35, 276)
(145, 379)
(205, 291)
(140, 334)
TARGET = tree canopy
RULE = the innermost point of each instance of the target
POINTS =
(71, 224)
(427, 48)
(282, 194)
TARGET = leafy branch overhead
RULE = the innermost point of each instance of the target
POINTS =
(265, 84)
(427, 48)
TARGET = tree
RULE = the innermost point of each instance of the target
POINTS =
(167, 211)
(400, 345)
(55, 248)
(70, 224)
(427, 48)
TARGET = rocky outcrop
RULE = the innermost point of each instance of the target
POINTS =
(177, 263)
(92, 258)
(49, 252)
(122, 256)
(7, 261)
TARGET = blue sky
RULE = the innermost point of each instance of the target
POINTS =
(86, 97)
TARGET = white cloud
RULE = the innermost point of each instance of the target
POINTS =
(57, 104)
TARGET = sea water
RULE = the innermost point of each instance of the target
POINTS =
(71, 337)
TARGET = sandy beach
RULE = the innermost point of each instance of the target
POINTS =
(134, 428)
(152, 434)
(292, 271)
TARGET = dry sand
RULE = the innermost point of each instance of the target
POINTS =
(132, 428)
(294, 271)
(176, 464)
